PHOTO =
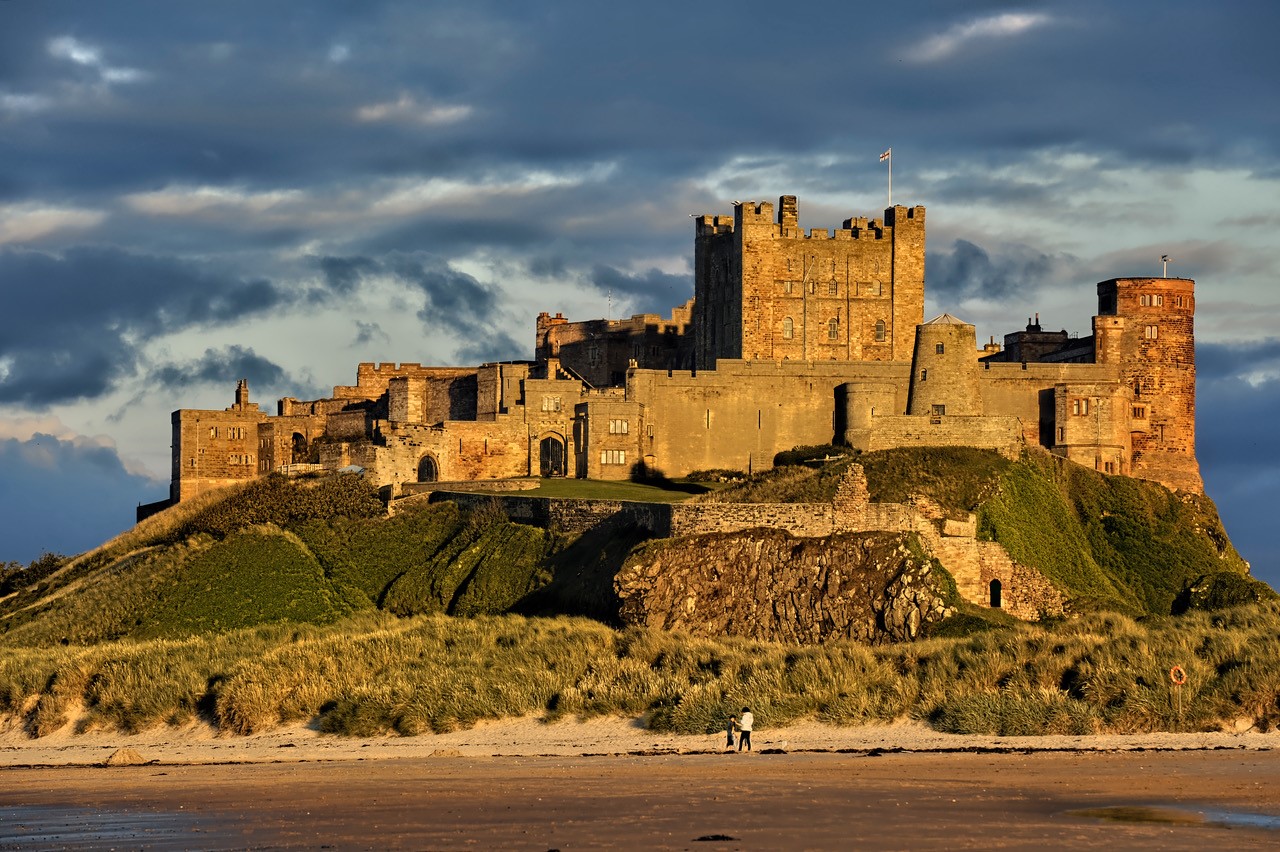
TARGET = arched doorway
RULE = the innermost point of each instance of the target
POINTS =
(995, 594)
(299, 455)
(428, 471)
(551, 456)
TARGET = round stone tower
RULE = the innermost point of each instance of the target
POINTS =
(944, 369)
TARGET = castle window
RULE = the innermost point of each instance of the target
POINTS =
(924, 374)
(1108, 467)
(613, 457)
(788, 328)
(791, 287)
(213, 431)
(833, 329)
(833, 289)
(619, 427)
(939, 348)
(1151, 332)
(879, 331)
(1062, 434)
(1178, 301)
(939, 410)
(813, 287)
(1079, 406)
(551, 403)
(1139, 412)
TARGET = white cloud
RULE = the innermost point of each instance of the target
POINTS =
(407, 109)
(20, 223)
(193, 201)
(80, 53)
(66, 47)
(339, 53)
(1006, 25)
(23, 103)
(380, 200)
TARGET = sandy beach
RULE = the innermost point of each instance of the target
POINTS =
(609, 783)
(531, 737)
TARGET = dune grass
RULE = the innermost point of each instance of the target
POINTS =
(372, 673)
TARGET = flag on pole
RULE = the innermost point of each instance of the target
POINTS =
(886, 155)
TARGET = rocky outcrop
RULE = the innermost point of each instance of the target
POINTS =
(766, 584)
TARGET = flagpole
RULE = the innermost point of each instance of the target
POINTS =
(887, 156)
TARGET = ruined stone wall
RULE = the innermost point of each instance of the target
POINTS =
(601, 351)
(372, 379)
(461, 450)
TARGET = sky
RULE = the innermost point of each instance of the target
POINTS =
(192, 194)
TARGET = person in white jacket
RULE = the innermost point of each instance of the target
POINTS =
(745, 722)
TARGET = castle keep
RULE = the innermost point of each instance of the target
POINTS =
(791, 338)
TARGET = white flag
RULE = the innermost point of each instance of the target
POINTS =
(886, 155)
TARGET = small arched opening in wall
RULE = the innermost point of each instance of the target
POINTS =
(428, 469)
(552, 460)
(299, 453)
(995, 594)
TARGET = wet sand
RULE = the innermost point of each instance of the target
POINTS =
(702, 802)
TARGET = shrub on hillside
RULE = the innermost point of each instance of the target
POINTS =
(1221, 590)
(13, 576)
(286, 503)
(800, 455)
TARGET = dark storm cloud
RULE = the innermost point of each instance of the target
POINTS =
(382, 88)
(969, 270)
(368, 332)
(1215, 361)
(221, 367)
(454, 303)
(1234, 443)
(651, 291)
(95, 496)
(72, 323)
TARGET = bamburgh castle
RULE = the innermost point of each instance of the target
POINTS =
(791, 338)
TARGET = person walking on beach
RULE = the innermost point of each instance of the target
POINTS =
(728, 732)
(745, 723)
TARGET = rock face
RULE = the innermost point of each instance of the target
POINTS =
(767, 584)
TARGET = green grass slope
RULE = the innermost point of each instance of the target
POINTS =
(1106, 541)
(281, 551)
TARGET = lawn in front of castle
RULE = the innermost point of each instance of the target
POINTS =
(664, 491)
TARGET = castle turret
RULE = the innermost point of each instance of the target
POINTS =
(944, 369)
(1145, 326)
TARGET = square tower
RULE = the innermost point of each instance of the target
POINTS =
(766, 290)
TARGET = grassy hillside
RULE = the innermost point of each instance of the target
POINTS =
(281, 551)
(374, 673)
(1107, 541)
(316, 551)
